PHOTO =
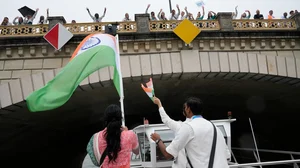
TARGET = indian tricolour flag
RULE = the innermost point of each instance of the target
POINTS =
(149, 89)
(96, 51)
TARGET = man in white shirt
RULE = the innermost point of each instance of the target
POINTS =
(174, 15)
(96, 18)
(126, 19)
(196, 138)
(175, 126)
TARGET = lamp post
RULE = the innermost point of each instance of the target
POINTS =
(170, 4)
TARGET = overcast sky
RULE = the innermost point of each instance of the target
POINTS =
(76, 9)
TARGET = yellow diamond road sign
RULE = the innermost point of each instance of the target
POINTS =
(187, 31)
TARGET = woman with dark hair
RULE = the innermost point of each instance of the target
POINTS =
(112, 147)
(18, 21)
(5, 22)
(42, 18)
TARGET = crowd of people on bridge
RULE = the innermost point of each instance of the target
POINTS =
(192, 146)
(161, 15)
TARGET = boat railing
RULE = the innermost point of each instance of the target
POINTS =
(134, 156)
(293, 161)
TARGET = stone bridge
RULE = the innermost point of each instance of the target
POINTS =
(250, 67)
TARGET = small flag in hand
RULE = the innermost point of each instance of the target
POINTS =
(200, 3)
(149, 89)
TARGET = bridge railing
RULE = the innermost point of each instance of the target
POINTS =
(162, 26)
(274, 24)
(154, 26)
(76, 28)
(87, 28)
(24, 30)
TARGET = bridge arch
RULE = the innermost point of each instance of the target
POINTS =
(186, 64)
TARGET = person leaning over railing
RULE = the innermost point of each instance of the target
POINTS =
(235, 14)
(200, 17)
(126, 19)
(189, 15)
(29, 19)
(18, 21)
(284, 16)
(270, 16)
(126, 26)
(96, 17)
(291, 13)
(183, 15)
(258, 15)
(152, 14)
(211, 16)
(5, 22)
(42, 18)
(161, 15)
(174, 15)
(245, 17)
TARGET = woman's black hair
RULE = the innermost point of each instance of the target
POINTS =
(42, 19)
(113, 123)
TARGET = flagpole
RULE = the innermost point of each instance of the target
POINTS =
(121, 82)
(170, 5)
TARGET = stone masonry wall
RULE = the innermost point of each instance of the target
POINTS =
(17, 68)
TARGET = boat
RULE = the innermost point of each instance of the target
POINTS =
(151, 157)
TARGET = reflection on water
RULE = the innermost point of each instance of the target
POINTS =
(87, 163)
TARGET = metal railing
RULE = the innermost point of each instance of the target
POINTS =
(170, 25)
(292, 161)
(274, 24)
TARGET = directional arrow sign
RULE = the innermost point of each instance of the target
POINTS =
(58, 36)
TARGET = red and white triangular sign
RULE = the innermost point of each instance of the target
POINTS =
(58, 36)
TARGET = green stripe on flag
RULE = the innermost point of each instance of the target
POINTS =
(59, 90)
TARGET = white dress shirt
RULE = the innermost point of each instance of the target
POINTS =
(196, 137)
(175, 16)
(180, 161)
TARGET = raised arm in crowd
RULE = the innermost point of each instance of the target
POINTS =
(96, 17)
(175, 15)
